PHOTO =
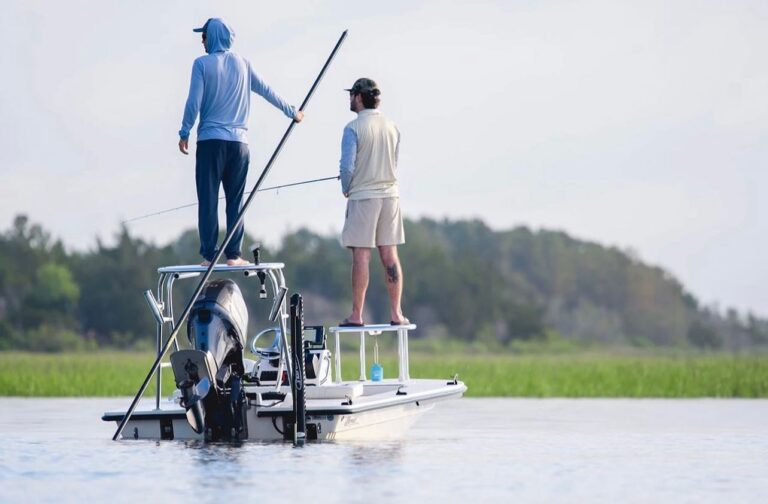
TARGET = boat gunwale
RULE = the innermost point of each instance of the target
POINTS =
(448, 390)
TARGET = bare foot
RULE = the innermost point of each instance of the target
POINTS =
(402, 321)
(237, 262)
(205, 264)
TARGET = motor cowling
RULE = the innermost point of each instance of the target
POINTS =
(217, 324)
(209, 375)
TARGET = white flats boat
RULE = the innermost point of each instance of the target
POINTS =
(231, 387)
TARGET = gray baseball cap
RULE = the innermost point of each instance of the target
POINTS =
(365, 85)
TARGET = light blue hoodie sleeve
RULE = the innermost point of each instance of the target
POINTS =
(220, 90)
(348, 156)
(194, 100)
(261, 88)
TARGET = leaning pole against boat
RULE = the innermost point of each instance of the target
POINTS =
(185, 314)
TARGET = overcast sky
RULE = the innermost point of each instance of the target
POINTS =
(638, 124)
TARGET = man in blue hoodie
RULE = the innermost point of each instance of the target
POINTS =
(220, 92)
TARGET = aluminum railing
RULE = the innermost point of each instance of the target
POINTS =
(374, 330)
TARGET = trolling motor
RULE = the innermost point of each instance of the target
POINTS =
(210, 375)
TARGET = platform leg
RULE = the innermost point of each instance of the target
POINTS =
(362, 355)
(337, 359)
(400, 357)
(406, 356)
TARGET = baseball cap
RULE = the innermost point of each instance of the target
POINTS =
(203, 28)
(365, 85)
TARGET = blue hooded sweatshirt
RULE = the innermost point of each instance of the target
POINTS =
(220, 90)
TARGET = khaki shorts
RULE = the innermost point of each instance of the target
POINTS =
(372, 223)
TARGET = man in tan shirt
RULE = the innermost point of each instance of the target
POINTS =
(369, 151)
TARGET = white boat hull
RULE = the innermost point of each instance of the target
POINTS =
(384, 410)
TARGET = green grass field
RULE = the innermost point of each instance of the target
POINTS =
(576, 375)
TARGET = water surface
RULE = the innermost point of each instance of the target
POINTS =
(467, 451)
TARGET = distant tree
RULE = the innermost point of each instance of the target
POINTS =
(55, 288)
(112, 281)
(758, 329)
(52, 299)
(462, 280)
(704, 336)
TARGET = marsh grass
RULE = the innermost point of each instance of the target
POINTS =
(101, 374)
(603, 375)
(572, 375)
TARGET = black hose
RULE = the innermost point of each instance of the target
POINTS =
(274, 424)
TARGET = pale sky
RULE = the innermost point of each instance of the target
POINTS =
(637, 124)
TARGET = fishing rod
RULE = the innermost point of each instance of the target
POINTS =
(273, 188)
(180, 323)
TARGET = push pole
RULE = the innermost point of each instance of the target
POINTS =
(179, 324)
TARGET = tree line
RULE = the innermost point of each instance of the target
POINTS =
(462, 281)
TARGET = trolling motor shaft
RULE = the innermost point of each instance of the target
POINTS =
(299, 374)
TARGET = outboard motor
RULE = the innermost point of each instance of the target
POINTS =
(210, 375)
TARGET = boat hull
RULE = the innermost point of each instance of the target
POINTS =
(382, 411)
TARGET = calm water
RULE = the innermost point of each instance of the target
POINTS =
(468, 451)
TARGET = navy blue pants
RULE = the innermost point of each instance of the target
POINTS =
(226, 163)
